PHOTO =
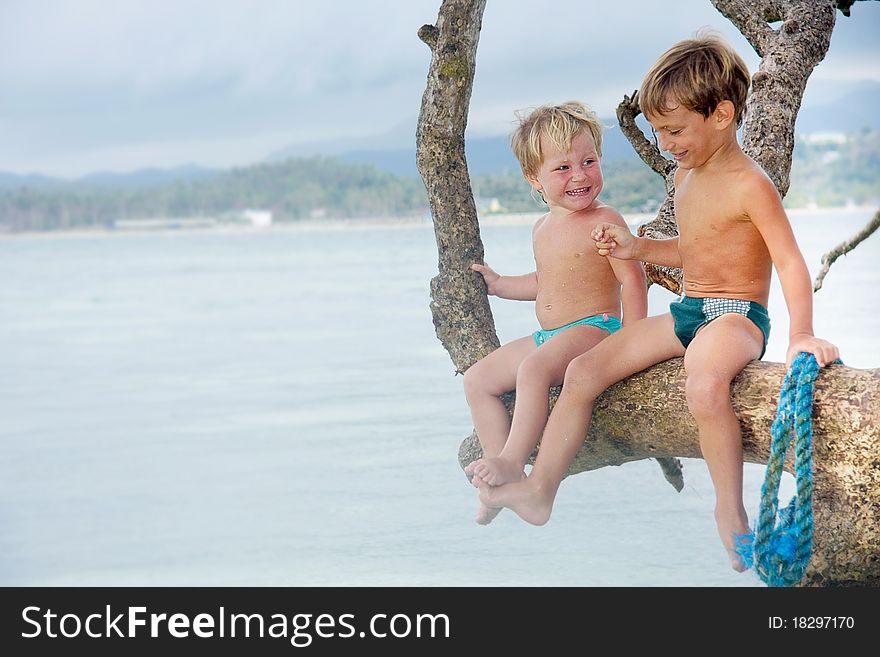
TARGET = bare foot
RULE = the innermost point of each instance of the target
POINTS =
(486, 514)
(497, 470)
(732, 528)
(528, 500)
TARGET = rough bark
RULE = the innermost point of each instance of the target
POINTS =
(459, 305)
(648, 150)
(788, 56)
(663, 226)
(646, 416)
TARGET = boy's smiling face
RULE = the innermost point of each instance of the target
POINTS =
(688, 136)
(570, 179)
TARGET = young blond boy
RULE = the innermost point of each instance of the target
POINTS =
(732, 229)
(577, 292)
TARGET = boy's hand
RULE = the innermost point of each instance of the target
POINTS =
(613, 240)
(489, 275)
(825, 352)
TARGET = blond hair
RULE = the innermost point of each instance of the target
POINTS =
(697, 74)
(560, 124)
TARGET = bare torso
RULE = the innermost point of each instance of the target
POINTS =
(573, 280)
(722, 253)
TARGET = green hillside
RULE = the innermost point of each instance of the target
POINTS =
(827, 171)
(835, 170)
(292, 190)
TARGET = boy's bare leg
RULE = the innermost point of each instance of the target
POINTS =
(628, 351)
(484, 383)
(717, 354)
(536, 375)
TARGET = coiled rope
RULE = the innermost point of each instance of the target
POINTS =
(780, 551)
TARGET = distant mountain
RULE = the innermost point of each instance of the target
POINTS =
(145, 177)
(141, 179)
(399, 137)
(833, 107)
(297, 188)
(31, 181)
(826, 171)
(394, 152)
(850, 111)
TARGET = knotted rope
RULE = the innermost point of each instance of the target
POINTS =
(780, 551)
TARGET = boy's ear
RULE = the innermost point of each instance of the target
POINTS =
(533, 181)
(724, 114)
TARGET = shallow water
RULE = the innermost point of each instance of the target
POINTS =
(273, 408)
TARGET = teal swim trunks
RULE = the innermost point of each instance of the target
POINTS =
(689, 314)
(604, 321)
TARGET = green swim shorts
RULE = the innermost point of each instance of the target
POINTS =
(689, 314)
(604, 321)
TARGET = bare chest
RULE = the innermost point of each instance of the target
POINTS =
(563, 242)
(709, 216)
(718, 243)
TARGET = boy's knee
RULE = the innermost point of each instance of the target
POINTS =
(474, 383)
(580, 376)
(706, 394)
(532, 370)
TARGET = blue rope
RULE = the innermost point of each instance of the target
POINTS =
(780, 551)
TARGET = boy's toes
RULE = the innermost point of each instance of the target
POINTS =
(479, 482)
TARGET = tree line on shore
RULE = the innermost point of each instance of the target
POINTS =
(828, 172)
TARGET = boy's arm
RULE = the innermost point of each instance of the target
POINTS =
(764, 208)
(618, 242)
(633, 285)
(633, 289)
(516, 288)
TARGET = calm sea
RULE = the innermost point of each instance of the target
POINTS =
(273, 408)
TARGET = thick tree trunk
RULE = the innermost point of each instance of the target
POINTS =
(788, 56)
(462, 317)
(646, 416)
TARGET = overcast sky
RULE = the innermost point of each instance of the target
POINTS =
(117, 85)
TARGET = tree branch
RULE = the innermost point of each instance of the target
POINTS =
(751, 19)
(663, 226)
(459, 305)
(845, 247)
(845, 5)
(788, 56)
(428, 34)
(627, 111)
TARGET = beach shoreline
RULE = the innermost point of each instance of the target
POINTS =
(363, 223)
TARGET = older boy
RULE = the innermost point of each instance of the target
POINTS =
(732, 228)
(577, 292)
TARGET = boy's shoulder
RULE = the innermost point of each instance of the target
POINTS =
(606, 214)
(587, 218)
(540, 222)
(742, 173)
(752, 183)
(598, 212)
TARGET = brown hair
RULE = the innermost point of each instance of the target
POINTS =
(698, 74)
(560, 124)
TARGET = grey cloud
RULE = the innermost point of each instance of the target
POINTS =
(99, 75)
